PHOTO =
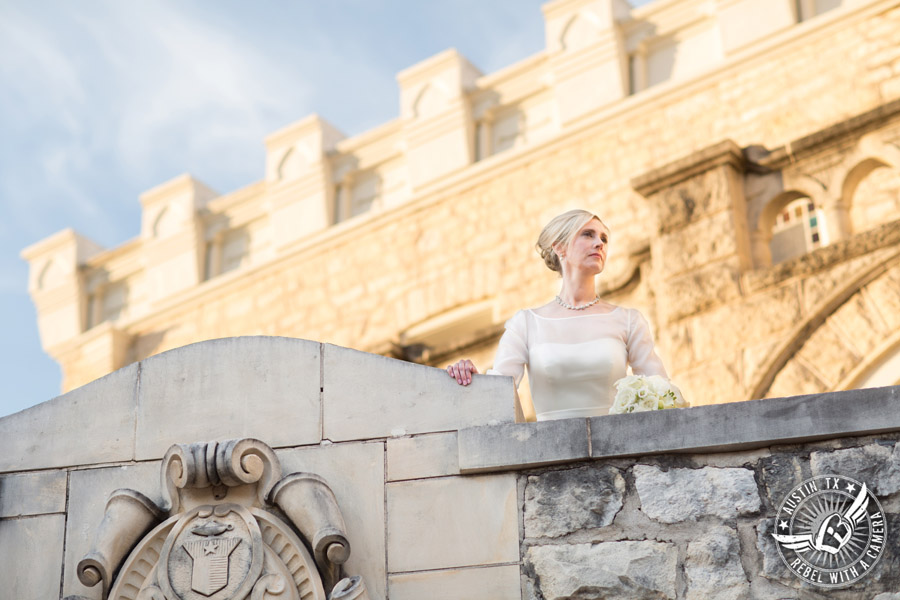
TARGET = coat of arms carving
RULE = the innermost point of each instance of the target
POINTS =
(230, 527)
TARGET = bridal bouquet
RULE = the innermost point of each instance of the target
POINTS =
(639, 393)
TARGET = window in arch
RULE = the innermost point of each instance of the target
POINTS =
(799, 228)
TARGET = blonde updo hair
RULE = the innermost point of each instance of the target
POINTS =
(559, 232)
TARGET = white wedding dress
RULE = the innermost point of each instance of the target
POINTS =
(574, 362)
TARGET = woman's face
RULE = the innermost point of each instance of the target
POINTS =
(588, 247)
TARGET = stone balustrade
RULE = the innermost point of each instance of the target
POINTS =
(442, 493)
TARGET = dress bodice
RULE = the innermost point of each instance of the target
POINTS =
(574, 362)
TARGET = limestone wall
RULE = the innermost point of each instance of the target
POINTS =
(442, 494)
(445, 268)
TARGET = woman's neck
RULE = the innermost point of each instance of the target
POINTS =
(577, 288)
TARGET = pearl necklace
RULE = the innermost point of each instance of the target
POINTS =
(582, 307)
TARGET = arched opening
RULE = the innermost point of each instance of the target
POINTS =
(798, 229)
(790, 225)
(871, 192)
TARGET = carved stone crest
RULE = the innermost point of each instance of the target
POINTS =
(229, 527)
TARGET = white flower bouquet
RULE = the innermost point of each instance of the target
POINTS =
(640, 393)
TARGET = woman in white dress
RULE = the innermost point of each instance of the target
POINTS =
(577, 346)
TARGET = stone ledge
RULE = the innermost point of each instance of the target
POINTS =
(704, 429)
(520, 445)
(748, 425)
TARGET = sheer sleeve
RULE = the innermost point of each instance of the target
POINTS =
(512, 351)
(641, 355)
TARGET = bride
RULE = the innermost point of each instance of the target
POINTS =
(576, 346)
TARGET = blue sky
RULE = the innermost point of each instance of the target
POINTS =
(101, 100)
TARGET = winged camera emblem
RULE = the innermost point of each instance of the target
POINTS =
(833, 532)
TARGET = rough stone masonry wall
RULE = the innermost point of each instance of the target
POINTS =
(692, 526)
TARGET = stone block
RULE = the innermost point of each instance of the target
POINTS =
(519, 445)
(561, 502)
(712, 566)
(697, 244)
(53, 434)
(877, 465)
(474, 520)
(885, 294)
(829, 353)
(605, 570)
(32, 550)
(368, 396)
(747, 425)
(262, 387)
(33, 494)
(88, 492)
(712, 383)
(693, 199)
(692, 292)
(680, 495)
(487, 583)
(863, 325)
(420, 456)
(752, 321)
(355, 473)
(778, 475)
(795, 379)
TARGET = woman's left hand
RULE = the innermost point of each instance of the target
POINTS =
(462, 371)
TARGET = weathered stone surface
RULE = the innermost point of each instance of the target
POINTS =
(560, 502)
(745, 425)
(697, 244)
(355, 473)
(715, 283)
(32, 493)
(474, 519)
(885, 294)
(260, 387)
(876, 465)
(606, 570)
(795, 379)
(418, 456)
(88, 492)
(772, 566)
(829, 353)
(689, 494)
(779, 474)
(693, 199)
(712, 383)
(522, 444)
(858, 320)
(32, 550)
(53, 434)
(712, 567)
(360, 404)
(490, 583)
(752, 321)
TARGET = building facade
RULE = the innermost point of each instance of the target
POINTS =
(745, 154)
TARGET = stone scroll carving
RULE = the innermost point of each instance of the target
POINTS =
(229, 527)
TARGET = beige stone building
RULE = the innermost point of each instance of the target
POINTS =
(744, 153)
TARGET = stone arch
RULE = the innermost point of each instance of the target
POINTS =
(761, 235)
(580, 31)
(871, 153)
(787, 357)
(882, 368)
